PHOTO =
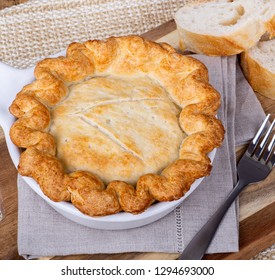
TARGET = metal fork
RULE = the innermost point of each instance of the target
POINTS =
(255, 165)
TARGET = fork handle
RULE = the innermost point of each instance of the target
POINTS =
(197, 247)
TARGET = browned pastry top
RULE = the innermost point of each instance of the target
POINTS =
(116, 128)
(116, 125)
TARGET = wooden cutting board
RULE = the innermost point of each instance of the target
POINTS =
(257, 202)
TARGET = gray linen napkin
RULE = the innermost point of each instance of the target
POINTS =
(44, 232)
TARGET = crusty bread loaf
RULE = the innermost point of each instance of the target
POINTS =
(223, 27)
(258, 65)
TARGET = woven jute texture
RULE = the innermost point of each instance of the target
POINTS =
(39, 28)
(30, 31)
(268, 254)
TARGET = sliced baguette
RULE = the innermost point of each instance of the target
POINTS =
(258, 65)
(224, 27)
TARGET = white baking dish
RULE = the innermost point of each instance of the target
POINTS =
(11, 81)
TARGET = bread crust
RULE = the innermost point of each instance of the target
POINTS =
(186, 82)
(208, 44)
(270, 26)
(259, 77)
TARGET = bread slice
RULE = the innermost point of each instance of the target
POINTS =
(258, 65)
(224, 27)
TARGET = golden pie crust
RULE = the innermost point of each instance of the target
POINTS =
(116, 125)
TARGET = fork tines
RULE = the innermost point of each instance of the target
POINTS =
(260, 148)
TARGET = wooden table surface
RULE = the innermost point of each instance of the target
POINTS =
(257, 202)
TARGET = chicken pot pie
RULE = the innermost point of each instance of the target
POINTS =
(116, 125)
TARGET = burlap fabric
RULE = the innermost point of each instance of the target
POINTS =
(39, 28)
